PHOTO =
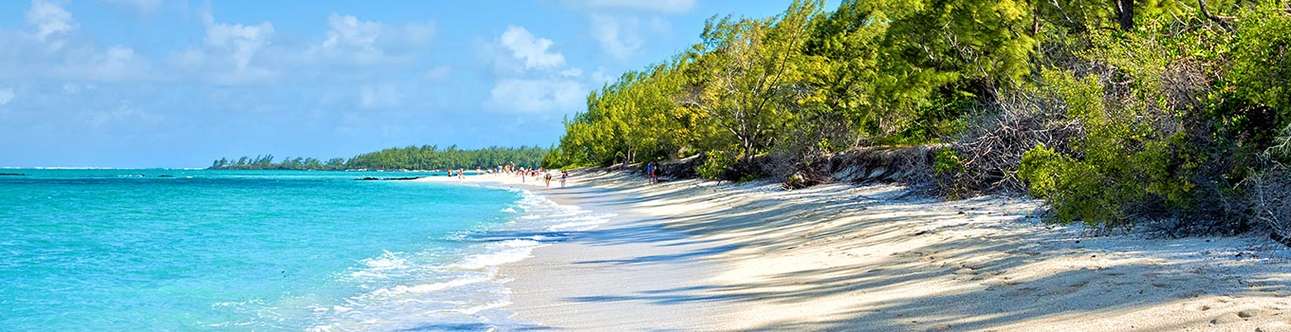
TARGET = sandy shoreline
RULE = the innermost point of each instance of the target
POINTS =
(692, 255)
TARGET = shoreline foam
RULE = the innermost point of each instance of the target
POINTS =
(467, 292)
(537, 222)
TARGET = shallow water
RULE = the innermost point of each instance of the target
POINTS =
(261, 250)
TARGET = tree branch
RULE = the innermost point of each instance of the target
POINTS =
(1222, 21)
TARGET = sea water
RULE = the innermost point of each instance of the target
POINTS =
(130, 250)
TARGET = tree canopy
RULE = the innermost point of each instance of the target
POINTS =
(1111, 110)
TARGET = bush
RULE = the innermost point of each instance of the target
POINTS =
(1074, 189)
(1125, 166)
(1261, 67)
(946, 162)
(716, 166)
(991, 148)
(947, 168)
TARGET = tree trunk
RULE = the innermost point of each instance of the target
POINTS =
(1125, 13)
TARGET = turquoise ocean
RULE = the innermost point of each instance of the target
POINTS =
(166, 249)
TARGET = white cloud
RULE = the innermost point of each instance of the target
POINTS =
(533, 52)
(379, 96)
(572, 72)
(353, 32)
(51, 22)
(6, 96)
(532, 77)
(537, 95)
(46, 49)
(617, 36)
(234, 53)
(600, 76)
(229, 52)
(350, 39)
(117, 63)
(142, 6)
(663, 6)
(349, 32)
(241, 42)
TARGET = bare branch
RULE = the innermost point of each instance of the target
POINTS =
(1222, 21)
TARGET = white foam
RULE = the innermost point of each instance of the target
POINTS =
(428, 288)
(380, 267)
(387, 261)
(575, 226)
(468, 290)
(509, 251)
(482, 307)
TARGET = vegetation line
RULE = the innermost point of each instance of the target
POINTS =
(426, 157)
(1113, 112)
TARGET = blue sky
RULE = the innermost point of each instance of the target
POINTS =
(161, 83)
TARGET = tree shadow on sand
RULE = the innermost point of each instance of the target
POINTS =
(975, 282)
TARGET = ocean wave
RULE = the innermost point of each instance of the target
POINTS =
(579, 225)
(503, 252)
(380, 267)
(388, 260)
(429, 287)
(465, 290)
(476, 309)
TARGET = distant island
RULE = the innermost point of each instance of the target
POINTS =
(426, 157)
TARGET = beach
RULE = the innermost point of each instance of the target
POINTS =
(697, 255)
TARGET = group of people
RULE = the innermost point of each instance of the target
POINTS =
(524, 173)
(651, 172)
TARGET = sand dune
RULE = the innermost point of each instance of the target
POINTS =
(695, 255)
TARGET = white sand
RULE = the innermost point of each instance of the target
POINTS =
(694, 255)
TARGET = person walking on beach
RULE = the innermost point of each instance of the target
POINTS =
(654, 174)
(651, 173)
(563, 175)
(649, 168)
(547, 178)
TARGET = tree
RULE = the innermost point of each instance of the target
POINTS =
(750, 70)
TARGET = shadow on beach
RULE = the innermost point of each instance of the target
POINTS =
(889, 260)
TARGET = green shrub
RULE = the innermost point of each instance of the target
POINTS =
(1075, 189)
(946, 162)
(1041, 169)
(1261, 60)
(1122, 167)
(947, 168)
(716, 166)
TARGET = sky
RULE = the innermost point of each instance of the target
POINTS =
(173, 83)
